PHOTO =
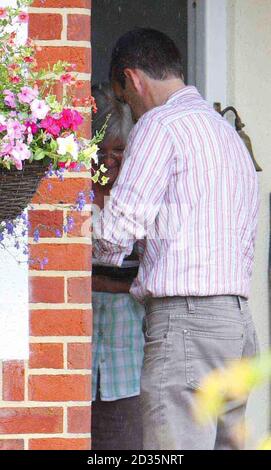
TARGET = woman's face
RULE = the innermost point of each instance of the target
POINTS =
(110, 154)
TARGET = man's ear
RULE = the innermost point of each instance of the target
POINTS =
(134, 78)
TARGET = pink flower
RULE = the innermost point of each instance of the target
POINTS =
(67, 164)
(77, 120)
(11, 38)
(93, 105)
(3, 13)
(71, 119)
(5, 149)
(51, 125)
(19, 153)
(66, 118)
(9, 99)
(29, 42)
(13, 67)
(15, 79)
(27, 94)
(15, 129)
(23, 17)
(66, 78)
(29, 59)
(34, 128)
(39, 109)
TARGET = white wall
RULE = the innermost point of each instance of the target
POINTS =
(13, 291)
(13, 307)
(249, 90)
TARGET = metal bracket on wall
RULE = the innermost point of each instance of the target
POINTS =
(239, 125)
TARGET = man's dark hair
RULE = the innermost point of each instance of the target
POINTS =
(148, 50)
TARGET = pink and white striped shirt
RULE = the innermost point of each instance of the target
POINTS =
(188, 191)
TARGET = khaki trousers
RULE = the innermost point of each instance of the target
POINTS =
(187, 337)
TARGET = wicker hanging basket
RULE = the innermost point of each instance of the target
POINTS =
(17, 187)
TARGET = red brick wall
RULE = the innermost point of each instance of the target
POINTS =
(45, 402)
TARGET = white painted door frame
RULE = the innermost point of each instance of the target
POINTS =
(207, 48)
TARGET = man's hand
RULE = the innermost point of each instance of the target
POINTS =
(106, 284)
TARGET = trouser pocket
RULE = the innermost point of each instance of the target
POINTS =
(206, 351)
(251, 346)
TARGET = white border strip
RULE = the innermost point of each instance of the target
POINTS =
(71, 11)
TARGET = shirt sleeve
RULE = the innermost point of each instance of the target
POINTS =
(137, 194)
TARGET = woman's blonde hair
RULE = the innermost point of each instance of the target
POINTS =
(120, 122)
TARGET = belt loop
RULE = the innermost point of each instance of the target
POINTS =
(191, 304)
(240, 302)
(145, 303)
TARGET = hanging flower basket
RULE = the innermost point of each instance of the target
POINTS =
(37, 131)
(17, 188)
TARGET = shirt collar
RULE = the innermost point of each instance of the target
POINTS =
(187, 91)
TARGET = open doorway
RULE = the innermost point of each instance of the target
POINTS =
(112, 18)
(118, 340)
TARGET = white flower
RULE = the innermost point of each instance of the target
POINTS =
(94, 154)
(91, 153)
(39, 109)
(67, 145)
(29, 136)
(2, 120)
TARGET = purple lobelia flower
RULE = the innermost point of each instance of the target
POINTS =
(10, 227)
(81, 201)
(36, 235)
(91, 195)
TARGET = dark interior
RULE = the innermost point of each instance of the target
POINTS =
(112, 18)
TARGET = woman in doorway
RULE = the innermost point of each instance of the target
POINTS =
(118, 339)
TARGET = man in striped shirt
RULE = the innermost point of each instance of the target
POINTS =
(188, 191)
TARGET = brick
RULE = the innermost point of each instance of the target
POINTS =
(31, 420)
(56, 88)
(85, 129)
(56, 192)
(61, 257)
(79, 290)
(59, 444)
(46, 289)
(13, 380)
(48, 356)
(79, 419)
(46, 222)
(11, 444)
(59, 387)
(81, 224)
(81, 56)
(79, 356)
(45, 26)
(78, 27)
(62, 3)
(81, 90)
(60, 323)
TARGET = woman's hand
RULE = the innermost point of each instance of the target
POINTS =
(106, 284)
